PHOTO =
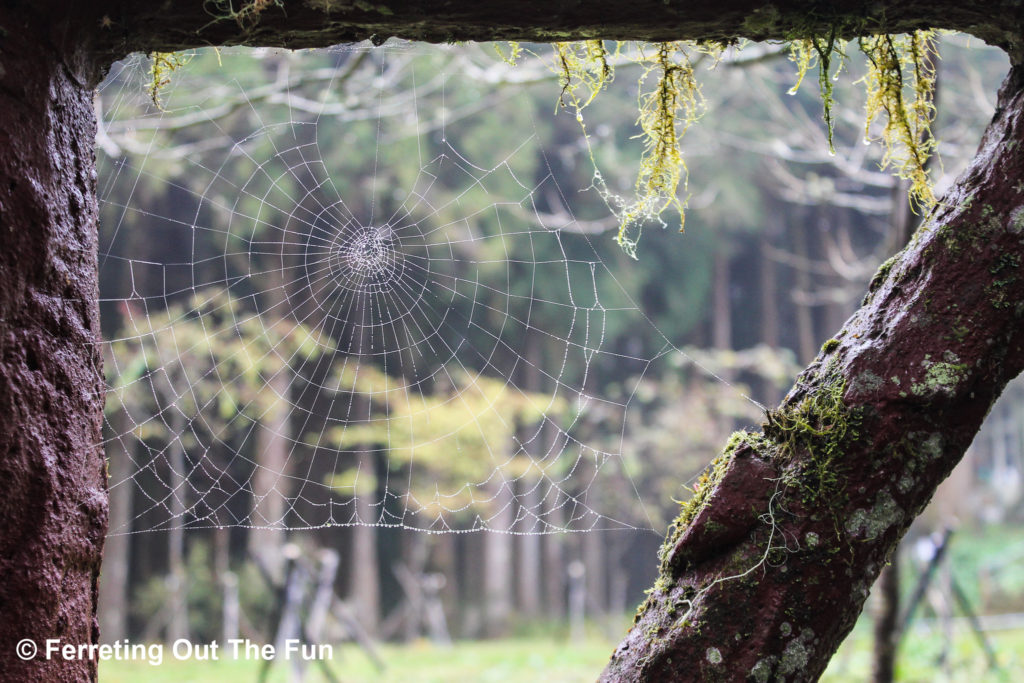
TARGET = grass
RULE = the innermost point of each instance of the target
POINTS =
(526, 660)
(545, 654)
(919, 656)
(503, 661)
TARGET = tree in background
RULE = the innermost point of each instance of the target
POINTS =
(791, 526)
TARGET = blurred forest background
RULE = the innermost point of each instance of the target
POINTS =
(781, 240)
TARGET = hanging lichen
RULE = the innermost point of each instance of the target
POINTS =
(247, 16)
(583, 71)
(900, 84)
(818, 52)
(515, 50)
(162, 65)
(898, 66)
(666, 110)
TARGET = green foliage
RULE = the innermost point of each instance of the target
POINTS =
(210, 354)
(204, 595)
(460, 432)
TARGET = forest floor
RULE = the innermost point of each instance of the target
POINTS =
(530, 660)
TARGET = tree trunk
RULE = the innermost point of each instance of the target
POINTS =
(721, 305)
(768, 567)
(53, 511)
(528, 550)
(498, 558)
(177, 572)
(271, 481)
(886, 631)
(804, 315)
(113, 590)
(365, 569)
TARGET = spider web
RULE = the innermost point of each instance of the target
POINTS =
(306, 330)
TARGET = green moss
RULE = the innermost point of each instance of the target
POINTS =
(702, 490)
(882, 273)
(830, 345)
(820, 426)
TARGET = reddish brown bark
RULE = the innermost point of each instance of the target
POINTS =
(53, 508)
(759, 589)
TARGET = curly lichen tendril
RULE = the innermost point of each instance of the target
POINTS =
(898, 65)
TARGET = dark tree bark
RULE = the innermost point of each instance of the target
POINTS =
(53, 510)
(854, 452)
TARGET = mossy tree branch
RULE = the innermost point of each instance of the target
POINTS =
(770, 565)
(169, 26)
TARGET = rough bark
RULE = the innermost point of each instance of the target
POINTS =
(768, 568)
(271, 479)
(53, 511)
(147, 26)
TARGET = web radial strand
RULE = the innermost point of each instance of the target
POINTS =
(331, 299)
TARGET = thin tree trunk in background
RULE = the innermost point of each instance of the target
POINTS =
(528, 553)
(498, 550)
(177, 575)
(721, 304)
(113, 591)
(804, 316)
(768, 282)
(595, 559)
(363, 562)
(271, 483)
(53, 510)
(531, 487)
(553, 545)
(883, 666)
(769, 319)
